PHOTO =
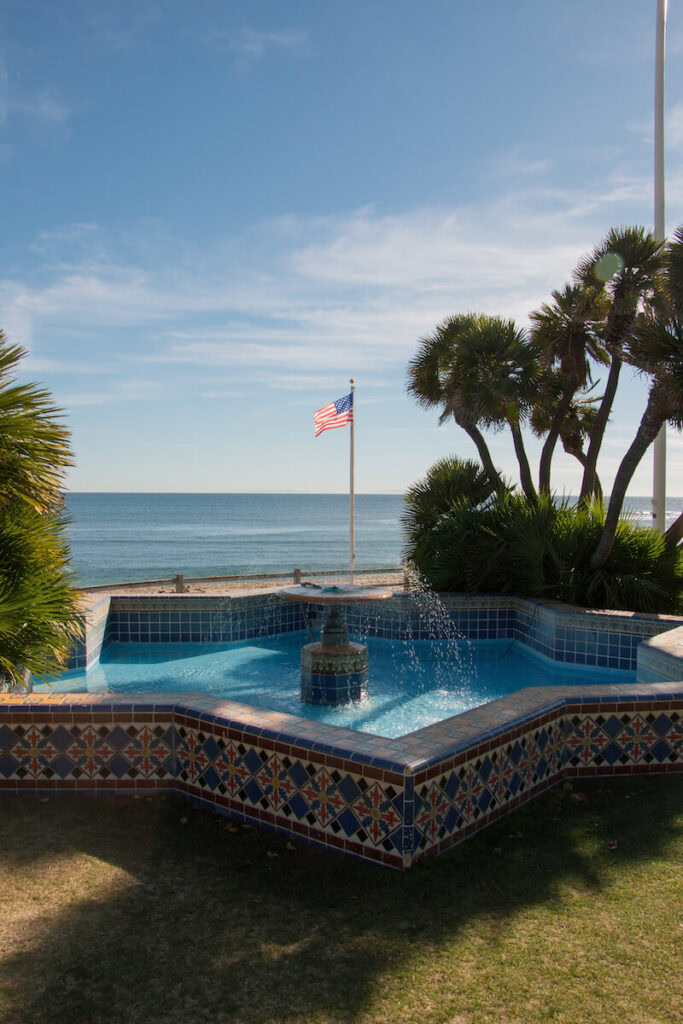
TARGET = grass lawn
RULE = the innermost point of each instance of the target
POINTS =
(149, 911)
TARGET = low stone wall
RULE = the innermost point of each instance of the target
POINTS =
(562, 633)
(386, 801)
(582, 737)
(660, 659)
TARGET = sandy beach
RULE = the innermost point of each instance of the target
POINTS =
(241, 587)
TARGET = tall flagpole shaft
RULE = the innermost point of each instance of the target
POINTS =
(352, 537)
(659, 470)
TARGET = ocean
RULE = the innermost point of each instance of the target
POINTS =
(119, 537)
(122, 537)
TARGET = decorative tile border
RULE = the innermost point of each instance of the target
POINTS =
(460, 795)
(386, 801)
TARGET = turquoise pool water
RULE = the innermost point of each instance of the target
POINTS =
(411, 684)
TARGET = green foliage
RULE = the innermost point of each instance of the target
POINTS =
(428, 379)
(482, 369)
(542, 550)
(628, 280)
(34, 443)
(449, 483)
(38, 602)
(656, 346)
(626, 304)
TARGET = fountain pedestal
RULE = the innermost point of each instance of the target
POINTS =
(335, 670)
(334, 675)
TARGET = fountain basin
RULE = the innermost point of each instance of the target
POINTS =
(346, 593)
(389, 801)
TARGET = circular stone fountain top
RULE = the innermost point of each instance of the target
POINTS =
(346, 593)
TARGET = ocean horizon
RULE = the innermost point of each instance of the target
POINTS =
(125, 536)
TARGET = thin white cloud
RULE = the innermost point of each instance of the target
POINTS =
(300, 298)
(307, 382)
(45, 106)
(34, 363)
(165, 445)
(133, 389)
(121, 30)
(221, 393)
(67, 237)
(250, 45)
(516, 164)
(673, 128)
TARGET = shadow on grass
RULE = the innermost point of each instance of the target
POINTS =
(214, 922)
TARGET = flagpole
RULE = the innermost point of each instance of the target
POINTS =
(659, 467)
(352, 540)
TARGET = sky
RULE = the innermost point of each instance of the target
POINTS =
(214, 214)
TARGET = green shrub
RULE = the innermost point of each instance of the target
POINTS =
(448, 483)
(38, 603)
(542, 549)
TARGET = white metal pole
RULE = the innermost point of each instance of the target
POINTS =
(352, 539)
(659, 469)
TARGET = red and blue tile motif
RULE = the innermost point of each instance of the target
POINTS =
(357, 809)
(324, 800)
(376, 811)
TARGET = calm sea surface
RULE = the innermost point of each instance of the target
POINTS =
(152, 536)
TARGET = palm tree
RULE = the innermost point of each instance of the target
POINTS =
(655, 347)
(577, 421)
(674, 535)
(431, 382)
(567, 333)
(449, 482)
(39, 605)
(629, 262)
(34, 443)
(435, 508)
(482, 371)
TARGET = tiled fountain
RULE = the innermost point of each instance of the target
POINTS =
(387, 801)
(334, 670)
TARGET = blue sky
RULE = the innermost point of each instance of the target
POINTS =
(215, 213)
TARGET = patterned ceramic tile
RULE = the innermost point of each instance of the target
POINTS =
(95, 752)
(391, 815)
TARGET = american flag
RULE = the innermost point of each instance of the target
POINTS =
(334, 414)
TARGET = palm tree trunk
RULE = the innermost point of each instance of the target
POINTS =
(654, 416)
(524, 471)
(484, 454)
(674, 535)
(551, 440)
(598, 431)
(580, 456)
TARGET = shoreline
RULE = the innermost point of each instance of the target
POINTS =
(229, 588)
